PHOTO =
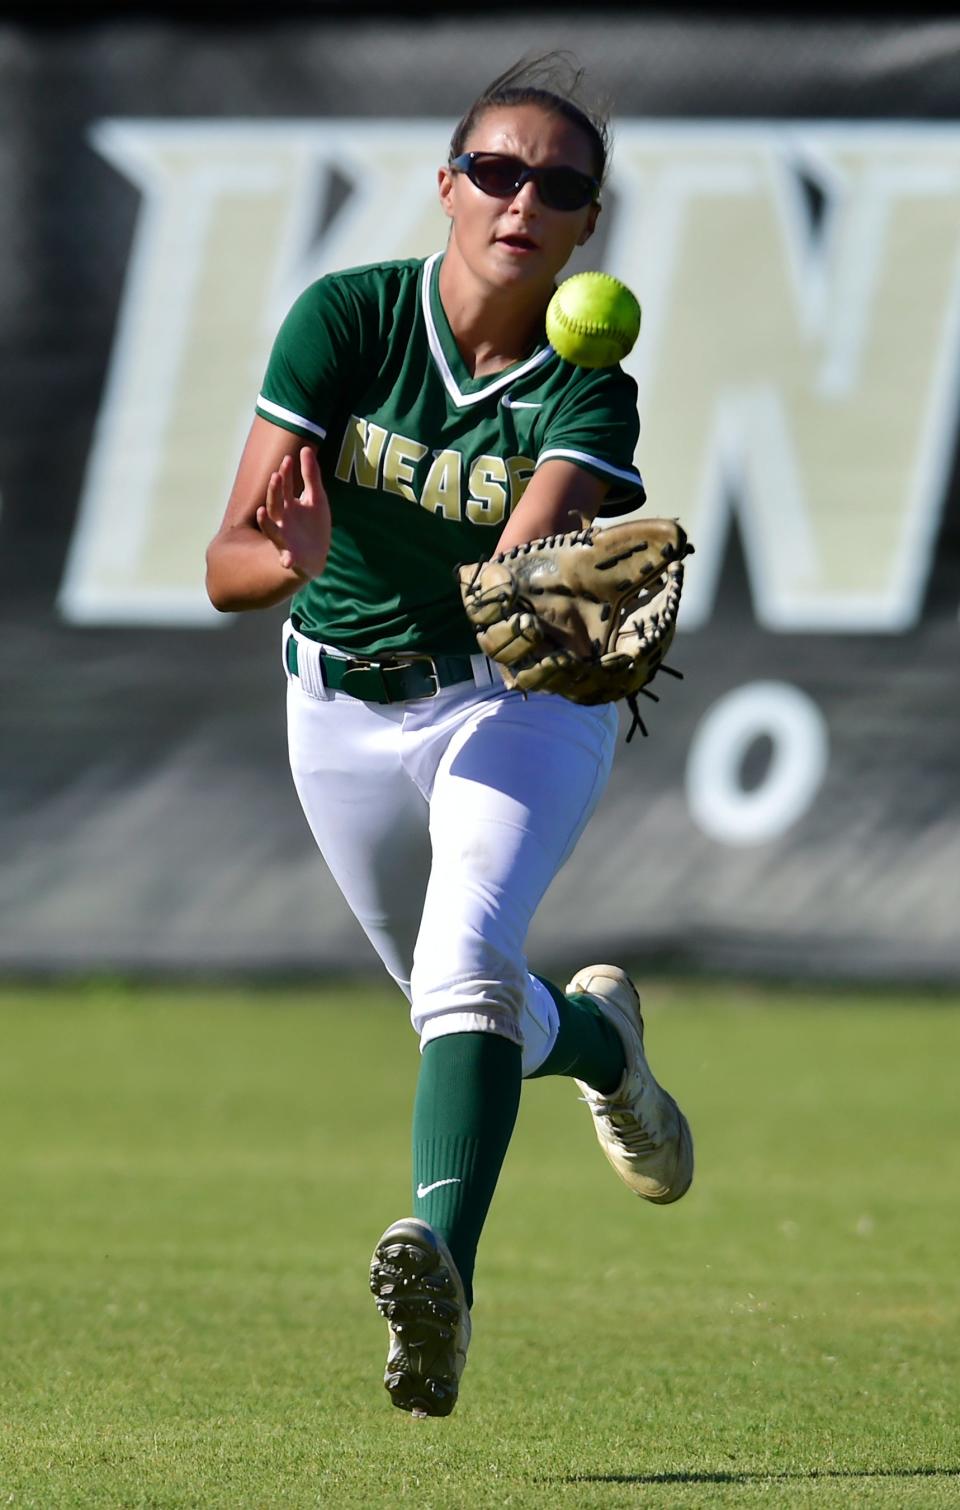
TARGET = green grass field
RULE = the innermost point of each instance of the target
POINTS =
(191, 1183)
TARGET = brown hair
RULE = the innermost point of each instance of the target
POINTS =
(553, 81)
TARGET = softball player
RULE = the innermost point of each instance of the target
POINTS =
(413, 417)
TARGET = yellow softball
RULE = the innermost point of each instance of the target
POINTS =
(593, 320)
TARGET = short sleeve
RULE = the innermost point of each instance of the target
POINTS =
(596, 425)
(312, 357)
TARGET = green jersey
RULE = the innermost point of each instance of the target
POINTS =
(423, 463)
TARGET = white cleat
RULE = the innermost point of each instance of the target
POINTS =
(420, 1294)
(641, 1129)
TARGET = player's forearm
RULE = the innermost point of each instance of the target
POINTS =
(244, 571)
(561, 497)
(551, 517)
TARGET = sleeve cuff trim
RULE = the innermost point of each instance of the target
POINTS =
(632, 477)
(277, 411)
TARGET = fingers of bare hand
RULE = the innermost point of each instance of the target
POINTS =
(275, 498)
(266, 525)
(310, 471)
(288, 473)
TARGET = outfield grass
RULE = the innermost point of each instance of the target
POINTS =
(191, 1183)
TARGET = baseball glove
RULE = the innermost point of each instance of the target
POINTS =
(589, 615)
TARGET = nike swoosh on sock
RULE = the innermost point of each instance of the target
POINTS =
(423, 1190)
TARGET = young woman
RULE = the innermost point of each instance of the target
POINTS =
(413, 417)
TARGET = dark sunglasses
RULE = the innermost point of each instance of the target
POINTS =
(502, 177)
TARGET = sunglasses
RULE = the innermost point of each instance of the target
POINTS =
(502, 177)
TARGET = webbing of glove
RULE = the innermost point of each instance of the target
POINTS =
(588, 615)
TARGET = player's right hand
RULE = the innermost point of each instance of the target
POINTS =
(297, 523)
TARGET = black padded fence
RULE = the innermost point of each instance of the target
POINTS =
(785, 200)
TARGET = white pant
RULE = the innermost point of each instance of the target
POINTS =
(443, 821)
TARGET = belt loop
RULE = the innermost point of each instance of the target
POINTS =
(482, 668)
(309, 668)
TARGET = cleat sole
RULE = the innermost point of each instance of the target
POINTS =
(423, 1305)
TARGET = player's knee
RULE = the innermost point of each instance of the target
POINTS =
(474, 1001)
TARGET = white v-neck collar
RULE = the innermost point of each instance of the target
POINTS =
(501, 380)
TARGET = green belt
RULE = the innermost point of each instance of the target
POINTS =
(385, 681)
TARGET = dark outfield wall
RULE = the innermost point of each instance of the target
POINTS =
(786, 201)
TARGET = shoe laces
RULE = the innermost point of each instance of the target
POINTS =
(623, 1125)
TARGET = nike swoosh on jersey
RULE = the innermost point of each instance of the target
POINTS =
(518, 403)
(423, 1190)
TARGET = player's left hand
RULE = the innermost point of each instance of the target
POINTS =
(589, 614)
(298, 523)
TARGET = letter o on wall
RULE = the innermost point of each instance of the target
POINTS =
(719, 802)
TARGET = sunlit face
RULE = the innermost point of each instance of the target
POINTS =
(519, 241)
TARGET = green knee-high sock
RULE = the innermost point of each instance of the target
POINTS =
(466, 1105)
(588, 1047)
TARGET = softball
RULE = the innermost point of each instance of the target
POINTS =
(593, 320)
